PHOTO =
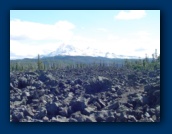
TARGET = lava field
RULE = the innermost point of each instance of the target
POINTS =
(85, 95)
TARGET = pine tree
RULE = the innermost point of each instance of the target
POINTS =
(158, 59)
(17, 67)
(39, 63)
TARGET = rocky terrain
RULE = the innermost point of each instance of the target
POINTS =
(103, 94)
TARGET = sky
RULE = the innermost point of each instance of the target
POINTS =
(123, 32)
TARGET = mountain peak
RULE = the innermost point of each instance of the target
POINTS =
(71, 50)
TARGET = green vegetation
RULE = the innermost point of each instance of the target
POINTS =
(40, 64)
(144, 64)
(69, 62)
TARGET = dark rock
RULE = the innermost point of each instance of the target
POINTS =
(88, 110)
(98, 84)
(17, 116)
(72, 120)
(38, 84)
(36, 120)
(113, 106)
(22, 82)
(78, 81)
(120, 92)
(117, 87)
(132, 77)
(100, 94)
(101, 116)
(53, 108)
(143, 81)
(147, 115)
(41, 113)
(41, 92)
(78, 116)
(102, 104)
(63, 111)
(28, 112)
(96, 104)
(78, 105)
(137, 114)
(59, 118)
(89, 119)
(45, 77)
(151, 111)
(26, 93)
(122, 108)
(62, 85)
(54, 90)
(11, 86)
(129, 105)
(132, 118)
(110, 119)
(158, 111)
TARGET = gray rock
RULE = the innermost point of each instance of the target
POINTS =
(22, 82)
(26, 93)
(17, 116)
(113, 106)
(98, 84)
(110, 119)
(101, 116)
(78, 81)
(53, 108)
(61, 119)
(101, 103)
(38, 84)
(45, 119)
(158, 110)
(63, 111)
(78, 105)
(42, 112)
(45, 77)
(78, 116)
(89, 119)
(132, 118)
(88, 110)
(72, 120)
(28, 112)
(147, 114)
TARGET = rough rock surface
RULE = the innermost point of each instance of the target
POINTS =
(85, 95)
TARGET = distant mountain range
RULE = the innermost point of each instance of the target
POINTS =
(71, 50)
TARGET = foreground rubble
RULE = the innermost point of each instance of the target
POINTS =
(85, 95)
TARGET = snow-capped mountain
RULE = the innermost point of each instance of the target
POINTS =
(66, 50)
(71, 50)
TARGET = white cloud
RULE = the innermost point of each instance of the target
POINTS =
(30, 38)
(37, 31)
(130, 15)
(130, 43)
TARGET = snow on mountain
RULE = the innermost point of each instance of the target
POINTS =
(65, 50)
(71, 50)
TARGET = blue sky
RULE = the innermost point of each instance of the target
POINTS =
(126, 32)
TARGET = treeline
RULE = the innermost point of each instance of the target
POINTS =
(49, 64)
(53, 64)
(144, 64)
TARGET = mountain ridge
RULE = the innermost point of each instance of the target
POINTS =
(71, 50)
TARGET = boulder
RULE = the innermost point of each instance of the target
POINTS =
(22, 82)
(53, 108)
(98, 84)
(78, 105)
(17, 116)
(42, 112)
(45, 77)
